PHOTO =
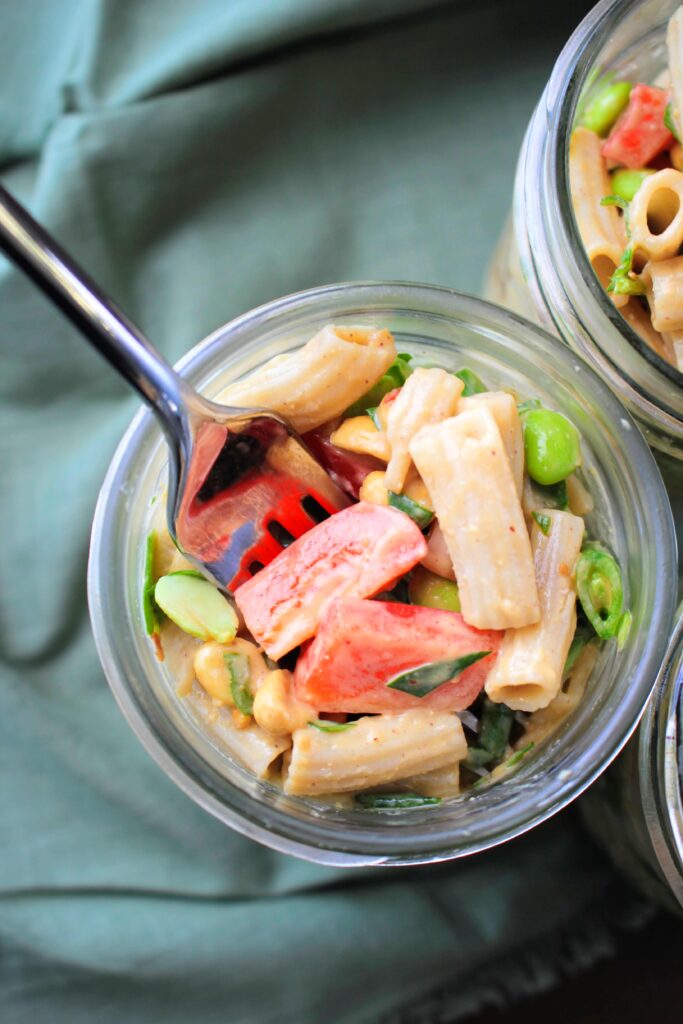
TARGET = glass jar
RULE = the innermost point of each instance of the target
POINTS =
(540, 268)
(636, 808)
(632, 515)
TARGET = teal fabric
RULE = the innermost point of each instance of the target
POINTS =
(200, 157)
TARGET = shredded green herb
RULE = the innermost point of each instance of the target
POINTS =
(418, 513)
(240, 677)
(494, 732)
(529, 405)
(614, 200)
(518, 755)
(544, 522)
(670, 123)
(422, 679)
(380, 801)
(332, 726)
(395, 377)
(372, 413)
(621, 282)
(474, 385)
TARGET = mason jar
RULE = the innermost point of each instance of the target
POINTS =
(635, 809)
(540, 268)
(632, 515)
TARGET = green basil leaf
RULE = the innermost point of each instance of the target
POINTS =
(332, 726)
(372, 413)
(422, 679)
(614, 201)
(395, 377)
(378, 801)
(518, 755)
(670, 123)
(529, 405)
(474, 385)
(418, 513)
(553, 495)
(240, 678)
(621, 283)
(494, 733)
(544, 522)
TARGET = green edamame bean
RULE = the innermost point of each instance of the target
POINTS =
(196, 606)
(604, 107)
(626, 183)
(552, 446)
(432, 591)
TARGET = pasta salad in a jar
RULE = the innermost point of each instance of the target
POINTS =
(426, 638)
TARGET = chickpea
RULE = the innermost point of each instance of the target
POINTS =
(276, 709)
(213, 675)
(373, 489)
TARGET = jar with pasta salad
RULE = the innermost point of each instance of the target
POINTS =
(396, 779)
(636, 809)
(607, 123)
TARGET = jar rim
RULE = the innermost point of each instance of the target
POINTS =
(543, 798)
(660, 763)
(652, 388)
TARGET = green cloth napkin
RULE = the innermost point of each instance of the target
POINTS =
(200, 157)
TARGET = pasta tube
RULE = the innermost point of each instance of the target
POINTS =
(641, 322)
(320, 380)
(442, 782)
(437, 559)
(674, 342)
(504, 409)
(601, 230)
(255, 748)
(664, 282)
(428, 396)
(543, 722)
(527, 674)
(375, 750)
(656, 215)
(466, 469)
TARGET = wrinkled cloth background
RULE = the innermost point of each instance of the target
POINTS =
(200, 157)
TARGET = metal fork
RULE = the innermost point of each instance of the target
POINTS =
(241, 484)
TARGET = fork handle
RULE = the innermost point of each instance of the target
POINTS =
(107, 329)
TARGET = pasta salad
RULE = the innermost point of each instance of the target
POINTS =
(626, 180)
(421, 641)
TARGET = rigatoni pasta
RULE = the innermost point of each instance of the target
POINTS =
(528, 672)
(428, 396)
(400, 650)
(664, 283)
(375, 751)
(465, 466)
(599, 226)
(321, 380)
(503, 408)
